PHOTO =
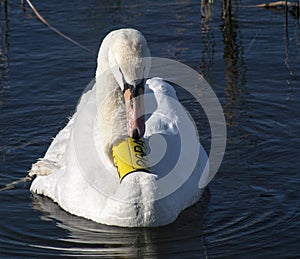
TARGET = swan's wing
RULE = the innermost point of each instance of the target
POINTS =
(162, 108)
(176, 156)
(170, 130)
(53, 158)
(64, 172)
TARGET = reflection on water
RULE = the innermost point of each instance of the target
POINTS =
(287, 39)
(233, 56)
(84, 237)
(4, 47)
(235, 67)
(208, 45)
(4, 62)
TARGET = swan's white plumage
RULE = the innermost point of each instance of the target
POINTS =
(81, 177)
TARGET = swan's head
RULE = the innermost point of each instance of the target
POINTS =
(128, 58)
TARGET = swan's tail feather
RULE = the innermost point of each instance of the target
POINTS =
(43, 167)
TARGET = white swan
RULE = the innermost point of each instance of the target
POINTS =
(78, 170)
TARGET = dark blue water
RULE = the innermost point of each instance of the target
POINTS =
(252, 61)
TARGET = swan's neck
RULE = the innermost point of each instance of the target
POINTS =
(111, 115)
(117, 49)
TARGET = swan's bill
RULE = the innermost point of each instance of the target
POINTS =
(134, 103)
